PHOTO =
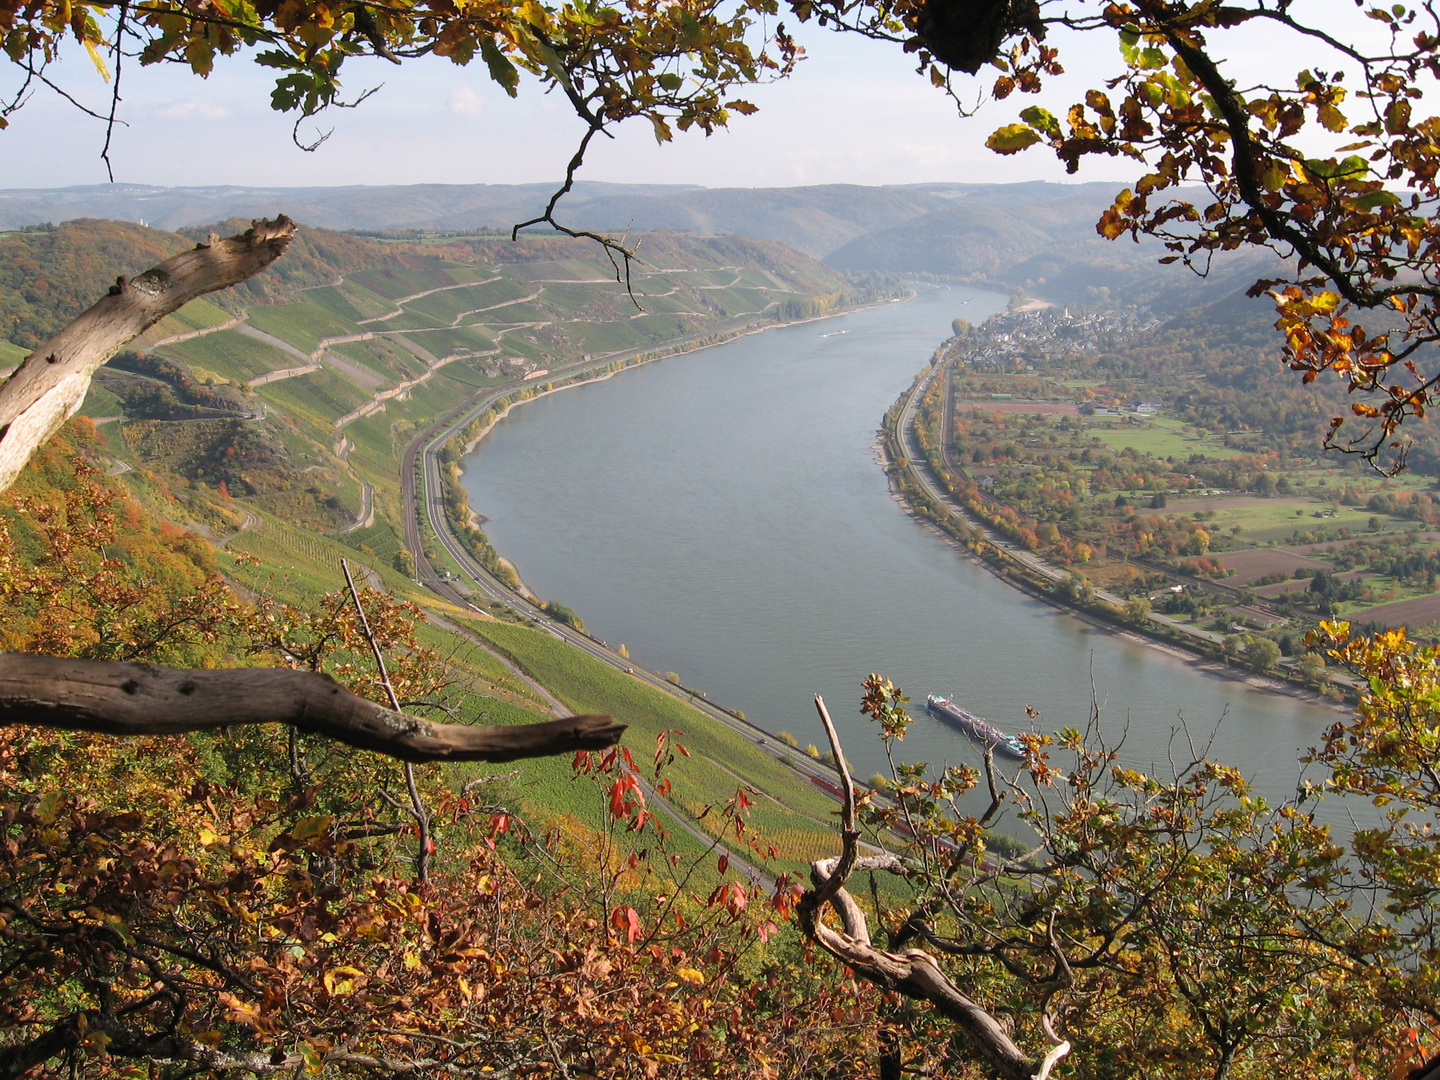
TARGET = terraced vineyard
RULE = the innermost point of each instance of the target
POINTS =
(275, 421)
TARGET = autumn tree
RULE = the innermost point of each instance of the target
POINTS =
(1171, 924)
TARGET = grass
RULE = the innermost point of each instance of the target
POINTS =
(301, 325)
(1161, 437)
(100, 402)
(442, 308)
(198, 314)
(448, 342)
(586, 685)
(382, 357)
(319, 397)
(230, 354)
(393, 282)
(12, 354)
(348, 302)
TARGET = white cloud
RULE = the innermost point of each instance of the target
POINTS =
(193, 110)
(466, 102)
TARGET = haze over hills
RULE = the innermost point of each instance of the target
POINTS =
(1037, 239)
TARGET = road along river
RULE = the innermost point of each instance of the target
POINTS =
(723, 514)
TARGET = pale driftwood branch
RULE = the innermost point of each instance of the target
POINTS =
(913, 972)
(137, 699)
(50, 384)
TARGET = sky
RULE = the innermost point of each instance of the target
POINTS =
(853, 112)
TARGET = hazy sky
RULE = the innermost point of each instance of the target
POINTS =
(854, 112)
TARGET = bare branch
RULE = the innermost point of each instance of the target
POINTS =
(417, 808)
(914, 972)
(50, 384)
(138, 699)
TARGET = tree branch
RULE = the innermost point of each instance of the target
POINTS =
(138, 699)
(914, 972)
(50, 384)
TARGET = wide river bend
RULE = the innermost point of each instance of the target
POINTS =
(723, 514)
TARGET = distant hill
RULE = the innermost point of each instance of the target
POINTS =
(1037, 238)
(815, 220)
(426, 206)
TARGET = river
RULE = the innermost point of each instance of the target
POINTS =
(724, 515)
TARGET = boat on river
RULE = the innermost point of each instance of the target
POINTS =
(977, 727)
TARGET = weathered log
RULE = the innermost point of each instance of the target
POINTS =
(50, 384)
(138, 699)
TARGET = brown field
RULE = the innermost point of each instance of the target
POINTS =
(1417, 612)
(1252, 565)
(1301, 584)
(1033, 408)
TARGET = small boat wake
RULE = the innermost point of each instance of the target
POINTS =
(976, 727)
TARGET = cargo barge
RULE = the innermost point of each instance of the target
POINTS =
(977, 727)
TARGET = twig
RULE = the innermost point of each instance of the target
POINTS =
(417, 808)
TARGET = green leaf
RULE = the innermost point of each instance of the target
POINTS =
(501, 69)
(1012, 138)
(1041, 120)
(49, 808)
(309, 827)
(1375, 199)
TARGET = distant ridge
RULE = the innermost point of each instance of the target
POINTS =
(1037, 238)
(816, 220)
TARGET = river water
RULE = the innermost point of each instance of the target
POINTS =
(724, 515)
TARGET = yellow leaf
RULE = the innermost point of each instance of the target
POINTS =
(341, 980)
(97, 60)
(1012, 138)
(691, 976)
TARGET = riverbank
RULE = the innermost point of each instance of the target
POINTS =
(599, 373)
(1031, 575)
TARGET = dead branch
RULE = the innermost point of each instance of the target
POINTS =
(914, 972)
(138, 699)
(417, 809)
(50, 384)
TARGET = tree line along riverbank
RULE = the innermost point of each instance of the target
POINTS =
(953, 503)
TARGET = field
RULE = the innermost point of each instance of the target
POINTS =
(196, 315)
(1032, 408)
(1275, 519)
(230, 354)
(1416, 612)
(1252, 565)
(1159, 436)
(302, 325)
